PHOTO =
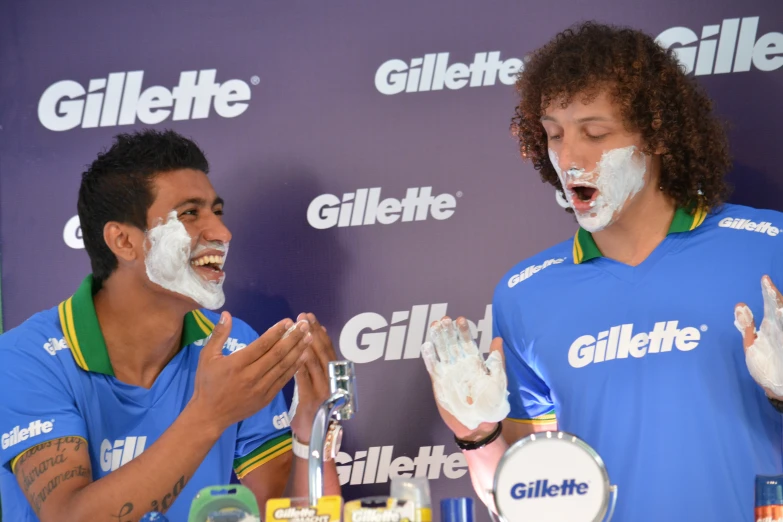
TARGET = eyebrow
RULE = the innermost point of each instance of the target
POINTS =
(580, 120)
(200, 202)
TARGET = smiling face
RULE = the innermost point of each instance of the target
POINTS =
(599, 162)
(186, 242)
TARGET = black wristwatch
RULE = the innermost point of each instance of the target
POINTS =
(489, 439)
(778, 405)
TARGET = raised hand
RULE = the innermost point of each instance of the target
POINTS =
(471, 392)
(764, 347)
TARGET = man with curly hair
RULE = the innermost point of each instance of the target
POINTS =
(623, 334)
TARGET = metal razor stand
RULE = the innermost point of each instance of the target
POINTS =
(340, 406)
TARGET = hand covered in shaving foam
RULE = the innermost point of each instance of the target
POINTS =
(764, 347)
(470, 392)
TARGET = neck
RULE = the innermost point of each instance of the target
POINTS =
(142, 331)
(641, 228)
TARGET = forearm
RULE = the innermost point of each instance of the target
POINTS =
(482, 464)
(300, 482)
(151, 481)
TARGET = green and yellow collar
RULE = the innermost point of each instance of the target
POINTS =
(684, 220)
(85, 339)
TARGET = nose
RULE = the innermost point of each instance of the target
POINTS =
(216, 230)
(568, 156)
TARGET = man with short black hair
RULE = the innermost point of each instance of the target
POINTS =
(131, 396)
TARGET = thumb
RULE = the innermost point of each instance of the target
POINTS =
(218, 337)
(497, 359)
(743, 320)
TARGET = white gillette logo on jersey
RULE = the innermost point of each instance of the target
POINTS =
(119, 100)
(370, 336)
(432, 72)
(618, 342)
(728, 47)
(232, 345)
(121, 452)
(281, 421)
(365, 207)
(377, 465)
(55, 345)
(533, 269)
(764, 227)
(19, 434)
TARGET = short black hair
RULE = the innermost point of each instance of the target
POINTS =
(118, 186)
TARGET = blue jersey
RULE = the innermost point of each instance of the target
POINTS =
(56, 380)
(644, 363)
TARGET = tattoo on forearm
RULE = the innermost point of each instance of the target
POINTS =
(167, 500)
(28, 476)
(37, 499)
(156, 505)
(124, 511)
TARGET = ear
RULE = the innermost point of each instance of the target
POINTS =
(125, 241)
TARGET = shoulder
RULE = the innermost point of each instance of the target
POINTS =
(544, 268)
(241, 334)
(38, 340)
(744, 224)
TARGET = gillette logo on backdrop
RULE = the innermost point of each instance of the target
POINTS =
(365, 207)
(433, 72)
(379, 464)
(119, 99)
(370, 336)
(731, 46)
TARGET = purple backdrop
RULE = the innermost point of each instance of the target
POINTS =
(326, 98)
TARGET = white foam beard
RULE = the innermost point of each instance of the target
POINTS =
(167, 260)
(618, 176)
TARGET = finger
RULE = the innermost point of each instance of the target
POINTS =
(318, 376)
(218, 337)
(273, 381)
(436, 335)
(274, 338)
(772, 301)
(322, 346)
(450, 336)
(430, 357)
(280, 358)
(743, 320)
(466, 343)
(317, 326)
(497, 347)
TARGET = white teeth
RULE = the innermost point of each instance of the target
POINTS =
(216, 260)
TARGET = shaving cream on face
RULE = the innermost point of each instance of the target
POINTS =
(764, 357)
(618, 176)
(167, 260)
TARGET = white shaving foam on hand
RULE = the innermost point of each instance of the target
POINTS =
(474, 391)
(618, 176)
(765, 356)
(167, 260)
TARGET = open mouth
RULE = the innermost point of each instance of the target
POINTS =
(210, 265)
(584, 193)
(583, 196)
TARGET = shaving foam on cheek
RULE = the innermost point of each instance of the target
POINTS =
(471, 389)
(167, 262)
(618, 177)
(765, 356)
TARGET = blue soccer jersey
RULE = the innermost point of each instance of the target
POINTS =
(644, 363)
(56, 380)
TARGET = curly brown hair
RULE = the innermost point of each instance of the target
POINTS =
(672, 112)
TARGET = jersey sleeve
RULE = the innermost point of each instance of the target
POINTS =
(262, 437)
(529, 396)
(265, 435)
(36, 404)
